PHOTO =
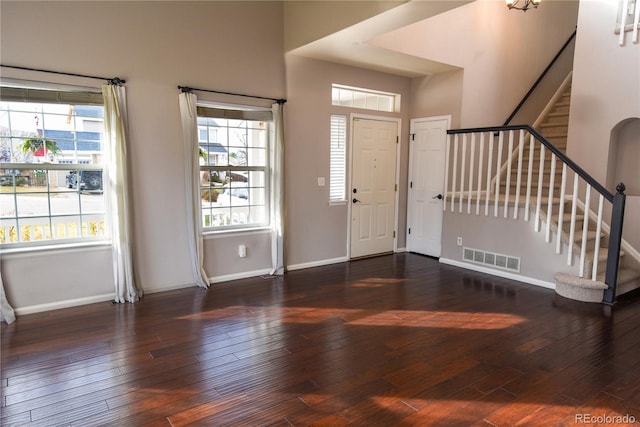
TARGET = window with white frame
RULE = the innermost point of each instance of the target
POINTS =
(51, 188)
(337, 164)
(234, 172)
(368, 99)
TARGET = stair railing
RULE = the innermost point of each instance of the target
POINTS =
(540, 78)
(470, 151)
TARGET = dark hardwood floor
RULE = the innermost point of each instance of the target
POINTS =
(395, 340)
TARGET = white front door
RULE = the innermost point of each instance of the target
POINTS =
(373, 186)
(426, 183)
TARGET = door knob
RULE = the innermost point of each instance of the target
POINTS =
(355, 200)
(439, 197)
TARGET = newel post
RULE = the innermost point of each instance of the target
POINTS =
(615, 240)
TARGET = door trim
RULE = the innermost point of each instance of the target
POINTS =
(412, 123)
(398, 122)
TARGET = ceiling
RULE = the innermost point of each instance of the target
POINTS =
(350, 46)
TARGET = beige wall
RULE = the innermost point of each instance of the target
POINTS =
(308, 21)
(502, 52)
(155, 46)
(315, 230)
(438, 95)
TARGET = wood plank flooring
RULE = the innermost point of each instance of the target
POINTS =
(395, 340)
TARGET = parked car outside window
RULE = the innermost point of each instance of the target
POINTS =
(85, 180)
(234, 194)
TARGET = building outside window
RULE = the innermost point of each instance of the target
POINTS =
(234, 158)
(51, 177)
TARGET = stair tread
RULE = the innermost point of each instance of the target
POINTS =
(625, 275)
(553, 124)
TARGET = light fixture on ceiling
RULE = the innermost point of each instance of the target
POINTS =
(523, 5)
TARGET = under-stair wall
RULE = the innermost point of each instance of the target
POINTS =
(516, 174)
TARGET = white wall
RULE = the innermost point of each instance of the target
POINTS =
(155, 46)
(605, 92)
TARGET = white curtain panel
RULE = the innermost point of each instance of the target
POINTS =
(192, 179)
(118, 201)
(6, 311)
(277, 191)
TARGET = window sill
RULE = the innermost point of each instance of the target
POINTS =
(337, 202)
(237, 231)
(71, 247)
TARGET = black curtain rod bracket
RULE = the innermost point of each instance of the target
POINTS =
(111, 80)
(187, 89)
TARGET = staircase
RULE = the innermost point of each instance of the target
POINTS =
(539, 177)
(553, 125)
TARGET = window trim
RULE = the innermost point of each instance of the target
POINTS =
(343, 179)
(395, 98)
(244, 113)
(15, 91)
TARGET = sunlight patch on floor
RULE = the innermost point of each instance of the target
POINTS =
(440, 319)
(358, 317)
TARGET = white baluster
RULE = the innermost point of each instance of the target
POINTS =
(463, 166)
(519, 175)
(508, 187)
(446, 172)
(455, 171)
(471, 166)
(539, 196)
(561, 208)
(572, 228)
(489, 165)
(585, 229)
(636, 21)
(623, 19)
(596, 250)
(498, 161)
(527, 202)
(480, 157)
(550, 198)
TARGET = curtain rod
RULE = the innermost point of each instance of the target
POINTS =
(188, 89)
(114, 81)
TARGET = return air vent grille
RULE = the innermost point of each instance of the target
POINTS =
(504, 262)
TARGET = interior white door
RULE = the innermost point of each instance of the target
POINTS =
(373, 184)
(426, 183)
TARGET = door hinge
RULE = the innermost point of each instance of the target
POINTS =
(411, 184)
(396, 188)
(413, 136)
(397, 139)
(394, 234)
(409, 230)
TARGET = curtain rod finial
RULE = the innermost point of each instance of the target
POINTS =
(116, 81)
(281, 101)
(185, 89)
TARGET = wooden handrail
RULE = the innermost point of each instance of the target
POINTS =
(577, 169)
(617, 200)
(540, 78)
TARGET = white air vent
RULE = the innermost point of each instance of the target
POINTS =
(491, 259)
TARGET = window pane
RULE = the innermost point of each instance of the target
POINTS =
(337, 172)
(364, 98)
(236, 194)
(44, 195)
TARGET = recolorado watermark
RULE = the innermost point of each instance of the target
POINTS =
(604, 419)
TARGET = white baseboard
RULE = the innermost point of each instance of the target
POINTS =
(317, 263)
(400, 250)
(236, 276)
(31, 309)
(499, 273)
